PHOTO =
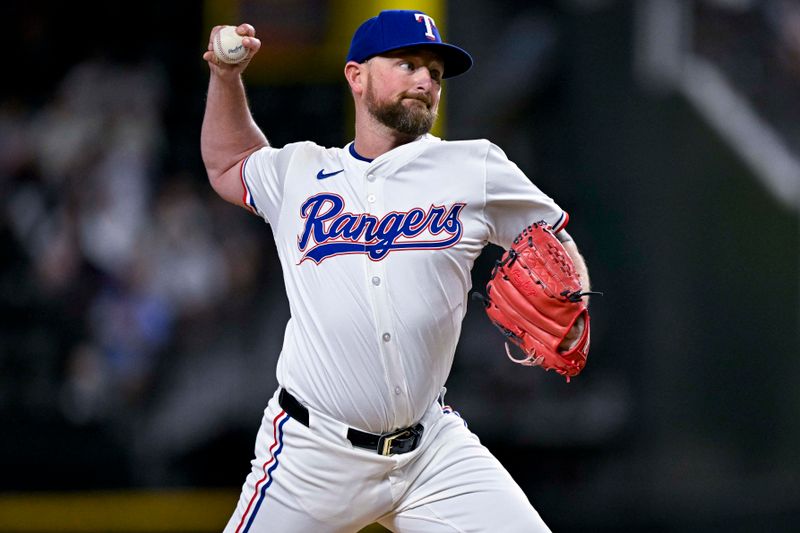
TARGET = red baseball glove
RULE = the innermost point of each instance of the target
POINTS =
(535, 298)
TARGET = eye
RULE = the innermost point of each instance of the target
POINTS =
(407, 65)
(436, 75)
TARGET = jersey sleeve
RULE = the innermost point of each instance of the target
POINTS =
(263, 174)
(513, 201)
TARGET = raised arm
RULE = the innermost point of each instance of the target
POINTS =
(229, 133)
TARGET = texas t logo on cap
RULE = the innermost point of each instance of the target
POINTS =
(429, 25)
(396, 29)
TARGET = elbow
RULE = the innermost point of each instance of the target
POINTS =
(220, 164)
(221, 170)
(227, 182)
(217, 183)
(215, 176)
(215, 169)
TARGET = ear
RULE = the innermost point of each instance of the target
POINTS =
(355, 74)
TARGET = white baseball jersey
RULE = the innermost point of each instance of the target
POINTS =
(376, 258)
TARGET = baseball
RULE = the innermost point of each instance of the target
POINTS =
(228, 46)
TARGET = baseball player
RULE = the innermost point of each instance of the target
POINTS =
(376, 241)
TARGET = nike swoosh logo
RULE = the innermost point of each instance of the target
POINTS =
(321, 175)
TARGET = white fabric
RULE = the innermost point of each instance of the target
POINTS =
(312, 479)
(372, 335)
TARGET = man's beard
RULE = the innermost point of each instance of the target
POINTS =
(413, 120)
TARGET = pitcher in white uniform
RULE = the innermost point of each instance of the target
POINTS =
(376, 241)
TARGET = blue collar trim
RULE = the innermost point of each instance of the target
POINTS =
(357, 155)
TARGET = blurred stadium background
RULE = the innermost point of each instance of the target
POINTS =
(142, 317)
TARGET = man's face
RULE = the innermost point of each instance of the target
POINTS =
(403, 90)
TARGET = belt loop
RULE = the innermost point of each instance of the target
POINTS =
(293, 407)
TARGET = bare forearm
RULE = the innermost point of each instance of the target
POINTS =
(577, 259)
(580, 267)
(229, 132)
(580, 264)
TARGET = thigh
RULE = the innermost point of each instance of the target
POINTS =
(459, 486)
(301, 482)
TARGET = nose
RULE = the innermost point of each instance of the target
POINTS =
(423, 78)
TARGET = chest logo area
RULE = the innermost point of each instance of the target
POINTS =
(321, 175)
(329, 230)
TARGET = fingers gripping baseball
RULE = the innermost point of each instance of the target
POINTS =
(228, 57)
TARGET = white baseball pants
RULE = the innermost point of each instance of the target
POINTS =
(313, 479)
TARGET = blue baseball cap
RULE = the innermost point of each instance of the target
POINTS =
(395, 29)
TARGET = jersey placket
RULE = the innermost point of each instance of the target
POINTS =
(397, 386)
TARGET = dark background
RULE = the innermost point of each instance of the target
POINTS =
(142, 316)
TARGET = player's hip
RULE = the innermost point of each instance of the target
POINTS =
(337, 437)
(306, 465)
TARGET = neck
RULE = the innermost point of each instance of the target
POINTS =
(374, 139)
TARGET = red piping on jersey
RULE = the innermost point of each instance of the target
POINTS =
(563, 224)
(245, 191)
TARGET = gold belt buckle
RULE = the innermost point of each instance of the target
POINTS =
(387, 441)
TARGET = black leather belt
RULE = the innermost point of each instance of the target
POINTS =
(400, 441)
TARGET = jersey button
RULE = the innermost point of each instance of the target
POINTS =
(387, 337)
(376, 281)
(370, 177)
(371, 198)
(397, 391)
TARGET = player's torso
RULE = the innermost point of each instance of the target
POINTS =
(409, 223)
(424, 196)
(377, 260)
